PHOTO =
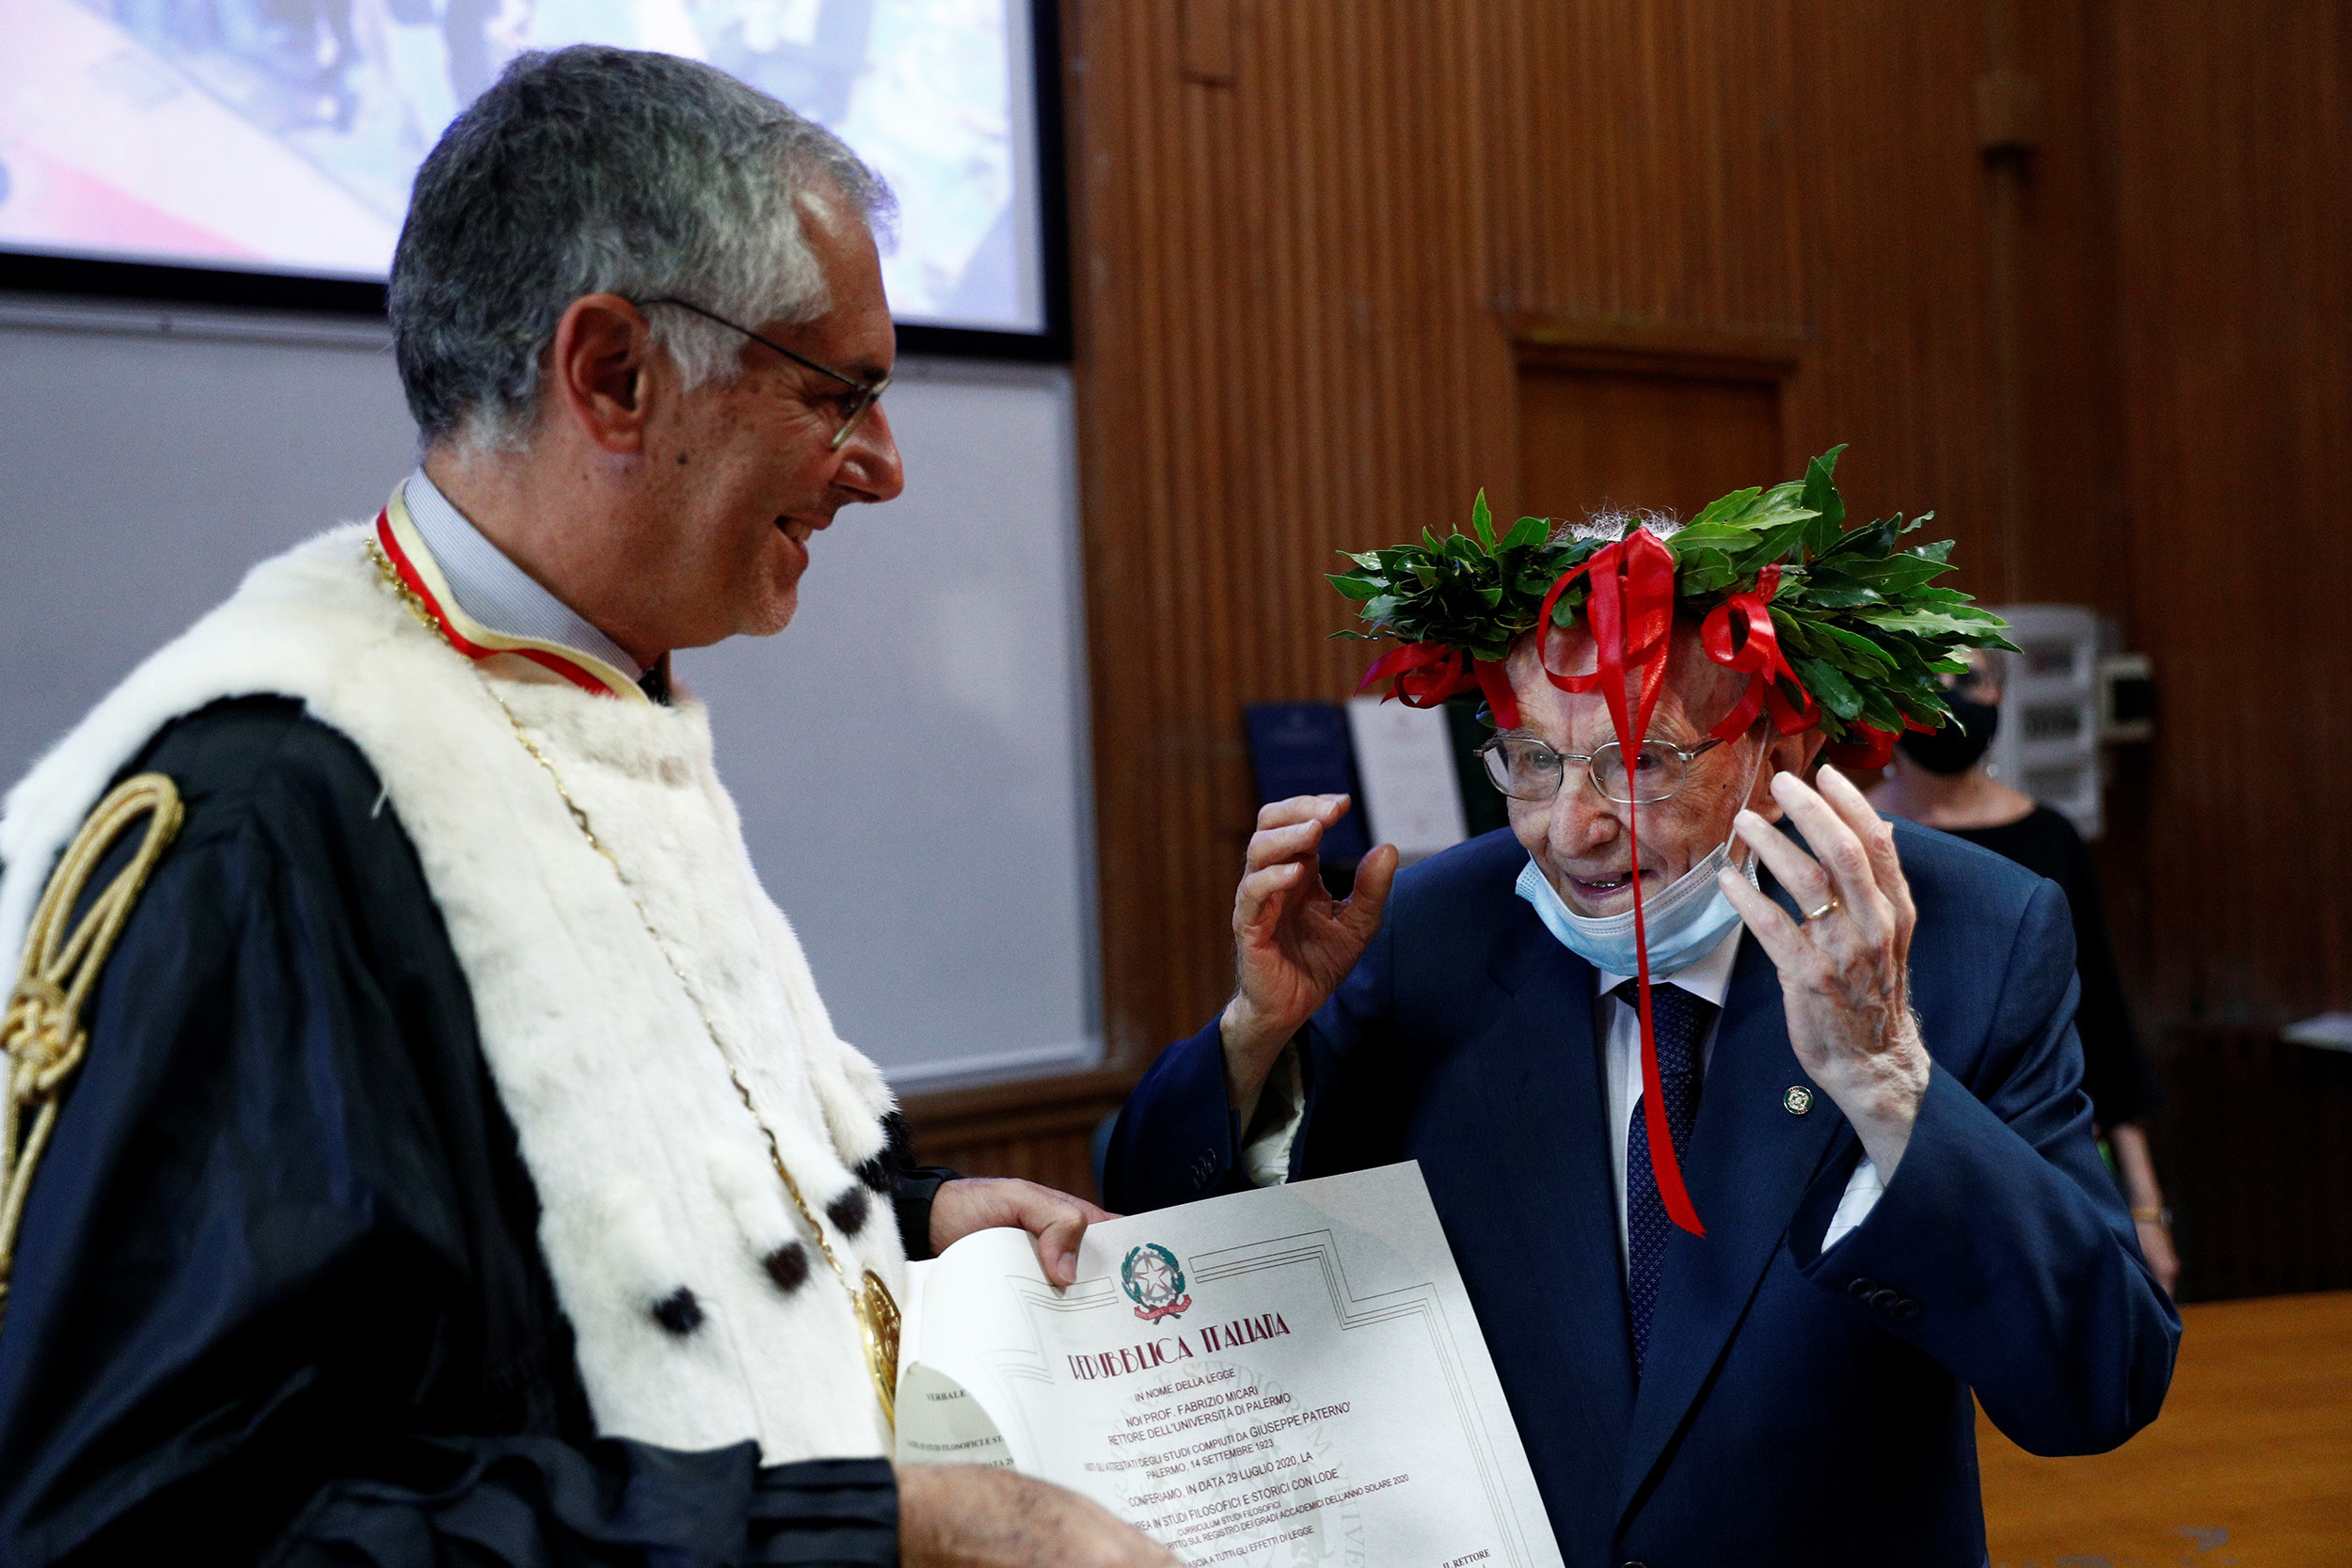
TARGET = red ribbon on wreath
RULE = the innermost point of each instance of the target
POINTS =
(1425, 674)
(1738, 634)
(1631, 608)
(1875, 748)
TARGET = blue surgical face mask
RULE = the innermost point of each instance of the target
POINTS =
(1684, 922)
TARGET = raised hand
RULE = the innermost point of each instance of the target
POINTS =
(1844, 968)
(1293, 942)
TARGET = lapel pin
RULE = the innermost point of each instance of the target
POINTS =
(1798, 1100)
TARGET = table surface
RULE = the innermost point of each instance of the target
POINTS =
(2249, 1467)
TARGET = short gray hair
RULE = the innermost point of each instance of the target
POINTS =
(597, 170)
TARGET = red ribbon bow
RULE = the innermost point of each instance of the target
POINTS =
(1425, 674)
(1738, 634)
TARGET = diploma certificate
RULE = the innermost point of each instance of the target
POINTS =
(1281, 1377)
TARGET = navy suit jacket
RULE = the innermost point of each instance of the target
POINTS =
(1798, 1406)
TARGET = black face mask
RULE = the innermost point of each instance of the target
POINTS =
(1958, 746)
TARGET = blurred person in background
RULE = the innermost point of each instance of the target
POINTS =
(1941, 781)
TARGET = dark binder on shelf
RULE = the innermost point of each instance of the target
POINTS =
(1302, 749)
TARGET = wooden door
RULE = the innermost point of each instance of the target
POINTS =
(1594, 441)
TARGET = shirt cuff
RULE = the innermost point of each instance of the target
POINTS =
(910, 1196)
(1862, 1191)
(1274, 1123)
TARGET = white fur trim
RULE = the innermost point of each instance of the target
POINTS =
(650, 1174)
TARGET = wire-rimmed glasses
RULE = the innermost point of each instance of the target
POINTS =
(1526, 769)
(852, 408)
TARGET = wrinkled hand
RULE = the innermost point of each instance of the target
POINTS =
(1844, 975)
(1293, 942)
(965, 1516)
(1056, 1219)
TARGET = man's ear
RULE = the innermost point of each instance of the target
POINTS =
(1786, 753)
(601, 371)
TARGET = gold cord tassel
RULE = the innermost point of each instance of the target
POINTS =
(43, 1036)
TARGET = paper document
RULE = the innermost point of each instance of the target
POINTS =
(1412, 790)
(1286, 1376)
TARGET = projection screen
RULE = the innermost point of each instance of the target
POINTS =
(279, 137)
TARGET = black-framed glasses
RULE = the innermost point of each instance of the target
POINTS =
(1525, 769)
(853, 409)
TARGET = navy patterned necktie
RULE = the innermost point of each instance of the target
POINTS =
(1679, 1022)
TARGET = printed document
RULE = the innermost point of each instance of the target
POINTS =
(1282, 1377)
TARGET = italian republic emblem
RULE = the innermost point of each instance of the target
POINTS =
(1155, 1282)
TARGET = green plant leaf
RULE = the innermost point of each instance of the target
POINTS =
(1794, 633)
(1923, 622)
(1711, 575)
(1778, 541)
(1828, 687)
(1724, 507)
(1526, 532)
(1820, 495)
(1879, 709)
(1869, 542)
(1483, 520)
(1897, 577)
(1858, 647)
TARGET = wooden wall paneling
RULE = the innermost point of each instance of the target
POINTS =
(1038, 1131)
(1274, 336)
(2254, 1144)
(1616, 440)
(2078, 546)
(2233, 154)
(1892, 197)
(1643, 416)
(1298, 292)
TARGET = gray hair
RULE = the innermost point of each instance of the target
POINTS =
(598, 170)
(1615, 524)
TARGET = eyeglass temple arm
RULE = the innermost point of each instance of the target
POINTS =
(871, 390)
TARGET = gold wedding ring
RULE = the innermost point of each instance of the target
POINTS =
(1816, 914)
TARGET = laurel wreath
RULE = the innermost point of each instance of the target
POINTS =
(1858, 619)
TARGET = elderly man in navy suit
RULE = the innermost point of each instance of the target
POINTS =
(1867, 1064)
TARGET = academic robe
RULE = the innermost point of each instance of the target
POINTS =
(276, 1296)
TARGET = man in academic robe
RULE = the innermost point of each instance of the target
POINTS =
(1882, 1195)
(462, 1166)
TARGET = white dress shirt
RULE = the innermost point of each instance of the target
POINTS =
(493, 590)
(1281, 1107)
(1618, 1027)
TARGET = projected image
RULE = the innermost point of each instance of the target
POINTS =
(281, 135)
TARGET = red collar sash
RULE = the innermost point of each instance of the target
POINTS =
(397, 534)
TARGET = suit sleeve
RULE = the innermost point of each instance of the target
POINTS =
(247, 1318)
(1178, 1138)
(2001, 1246)
(911, 1188)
